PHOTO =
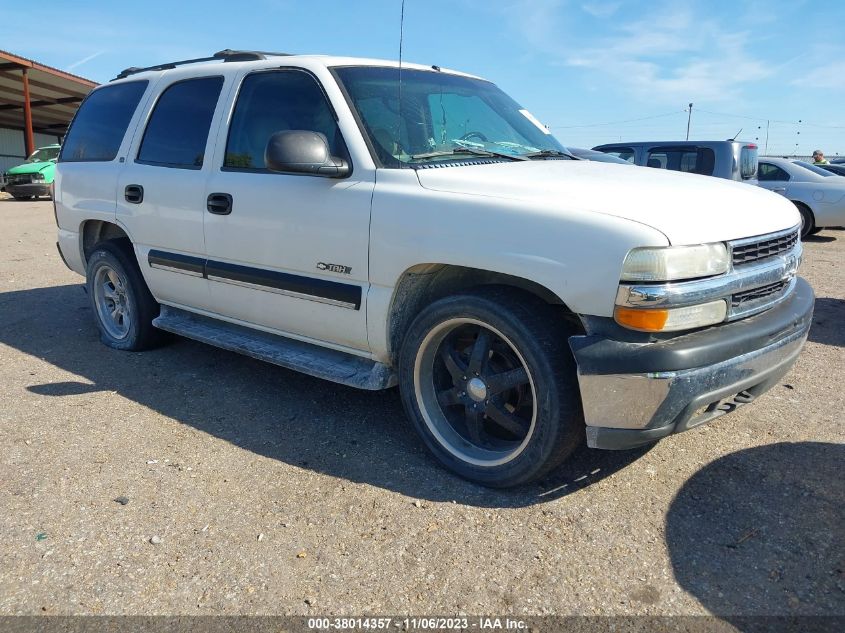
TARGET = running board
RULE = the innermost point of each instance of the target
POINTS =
(320, 362)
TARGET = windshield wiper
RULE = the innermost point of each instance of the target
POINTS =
(468, 150)
(545, 153)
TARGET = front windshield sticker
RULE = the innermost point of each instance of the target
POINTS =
(534, 120)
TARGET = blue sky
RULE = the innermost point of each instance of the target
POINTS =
(594, 71)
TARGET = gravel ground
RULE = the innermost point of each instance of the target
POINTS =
(251, 489)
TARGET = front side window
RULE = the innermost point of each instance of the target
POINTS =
(178, 128)
(100, 124)
(769, 172)
(270, 102)
(440, 117)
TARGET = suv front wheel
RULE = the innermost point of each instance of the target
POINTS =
(489, 382)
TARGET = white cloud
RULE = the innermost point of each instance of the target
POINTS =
(828, 75)
(601, 8)
(669, 54)
(84, 60)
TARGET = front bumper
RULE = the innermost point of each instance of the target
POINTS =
(634, 394)
(29, 189)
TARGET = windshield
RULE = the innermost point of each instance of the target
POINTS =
(813, 168)
(43, 155)
(443, 117)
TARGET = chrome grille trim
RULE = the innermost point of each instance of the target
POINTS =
(754, 249)
(756, 300)
(747, 284)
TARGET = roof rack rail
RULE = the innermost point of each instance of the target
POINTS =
(227, 55)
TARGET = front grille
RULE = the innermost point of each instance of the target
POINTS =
(750, 298)
(745, 252)
(20, 179)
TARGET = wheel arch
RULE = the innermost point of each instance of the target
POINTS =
(802, 207)
(423, 284)
(92, 232)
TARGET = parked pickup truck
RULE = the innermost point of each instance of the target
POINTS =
(379, 226)
(34, 176)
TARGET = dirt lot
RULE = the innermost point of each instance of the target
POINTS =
(271, 492)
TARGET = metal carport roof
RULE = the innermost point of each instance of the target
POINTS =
(38, 98)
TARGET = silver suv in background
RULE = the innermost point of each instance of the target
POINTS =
(733, 160)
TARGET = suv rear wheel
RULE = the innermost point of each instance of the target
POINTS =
(489, 382)
(122, 304)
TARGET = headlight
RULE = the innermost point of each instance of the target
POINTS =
(675, 262)
(38, 176)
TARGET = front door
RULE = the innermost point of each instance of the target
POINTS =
(288, 253)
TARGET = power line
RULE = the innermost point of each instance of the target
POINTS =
(751, 118)
(645, 118)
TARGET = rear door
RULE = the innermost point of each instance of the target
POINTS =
(161, 193)
(290, 253)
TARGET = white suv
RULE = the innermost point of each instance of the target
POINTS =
(377, 225)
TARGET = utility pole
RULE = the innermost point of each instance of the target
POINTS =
(766, 151)
(689, 118)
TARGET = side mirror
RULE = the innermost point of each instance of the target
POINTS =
(303, 152)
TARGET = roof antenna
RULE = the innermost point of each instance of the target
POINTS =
(401, 38)
(735, 135)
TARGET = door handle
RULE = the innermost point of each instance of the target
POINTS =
(219, 203)
(134, 194)
(779, 189)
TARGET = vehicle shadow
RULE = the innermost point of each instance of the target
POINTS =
(343, 432)
(759, 533)
(818, 238)
(828, 316)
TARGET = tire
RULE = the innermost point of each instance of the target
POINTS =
(21, 198)
(115, 285)
(501, 417)
(808, 223)
(816, 229)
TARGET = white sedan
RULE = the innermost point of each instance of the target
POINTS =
(819, 198)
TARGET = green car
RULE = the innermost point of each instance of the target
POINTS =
(34, 177)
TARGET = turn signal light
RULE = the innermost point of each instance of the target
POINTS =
(645, 320)
(673, 319)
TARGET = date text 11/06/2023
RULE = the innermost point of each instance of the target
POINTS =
(417, 624)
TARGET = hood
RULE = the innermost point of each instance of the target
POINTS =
(687, 208)
(31, 168)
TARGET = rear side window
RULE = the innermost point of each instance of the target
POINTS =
(270, 102)
(178, 128)
(769, 172)
(748, 162)
(100, 124)
(694, 160)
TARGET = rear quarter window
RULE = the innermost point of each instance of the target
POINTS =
(100, 124)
